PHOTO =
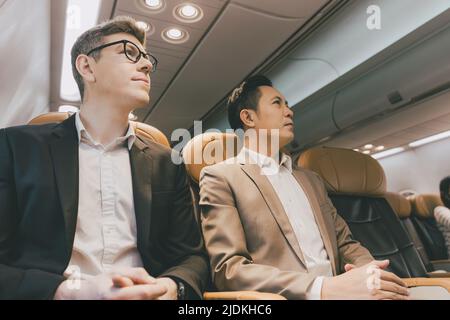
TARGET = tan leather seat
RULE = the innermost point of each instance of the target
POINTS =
(400, 204)
(207, 149)
(141, 129)
(357, 187)
(356, 184)
(346, 171)
(423, 206)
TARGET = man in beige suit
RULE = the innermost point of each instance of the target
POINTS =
(270, 226)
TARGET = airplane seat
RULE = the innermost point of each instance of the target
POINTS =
(51, 117)
(402, 207)
(356, 184)
(423, 206)
(201, 151)
(141, 129)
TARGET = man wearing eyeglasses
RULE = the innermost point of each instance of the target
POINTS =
(88, 208)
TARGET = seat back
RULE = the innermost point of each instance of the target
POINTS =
(422, 216)
(402, 207)
(204, 150)
(141, 129)
(356, 184)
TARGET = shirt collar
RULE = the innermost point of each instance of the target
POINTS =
(267, 164)
(84, 136)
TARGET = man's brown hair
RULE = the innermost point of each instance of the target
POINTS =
(94, 37)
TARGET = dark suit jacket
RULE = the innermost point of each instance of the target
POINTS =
(39, 204)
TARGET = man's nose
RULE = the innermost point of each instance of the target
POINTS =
(145, 66)
(289, 112)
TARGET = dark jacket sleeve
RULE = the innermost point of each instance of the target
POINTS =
(184, 245)
(17, 283)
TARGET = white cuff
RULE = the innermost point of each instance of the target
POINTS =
(315, 290)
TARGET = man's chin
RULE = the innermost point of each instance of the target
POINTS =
(141, 101)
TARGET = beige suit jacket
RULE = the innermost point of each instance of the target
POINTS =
(249, 238)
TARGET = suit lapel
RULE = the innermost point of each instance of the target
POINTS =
(310, 194)
(275, 206)
(141, 168)
(64, 151)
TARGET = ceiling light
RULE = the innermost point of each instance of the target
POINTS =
(430, 139)
(175, 35)
(143, 25)
(68, 108)
(80, 16)
(379, 148)
(366, 152)
(387, 153)
(357, 150)
(154, 4)
(188, 12)
(368, 146)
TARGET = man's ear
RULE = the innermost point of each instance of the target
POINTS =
(248, 117)
(84, 67)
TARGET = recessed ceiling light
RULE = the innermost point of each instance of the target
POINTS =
(366, 152)
(154, 4)
(175, 35)
(188, 12)
(143, 25)
(368, 146)
(379, 148)
(357, 150)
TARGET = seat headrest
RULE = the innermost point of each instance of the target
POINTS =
(208, 149)
(423, 205)
(345, 171)
(51, 117)
(141, 129)
(150, 132)
(400, 204)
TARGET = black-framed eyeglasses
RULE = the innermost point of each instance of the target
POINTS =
(131, 51)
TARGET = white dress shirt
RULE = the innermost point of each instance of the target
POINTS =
(299, 212)
(106, 235)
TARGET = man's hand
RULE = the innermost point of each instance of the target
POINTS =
(171, 286)
(122, 284)
(366, 282)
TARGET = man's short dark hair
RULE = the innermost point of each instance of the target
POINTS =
(443, 187)
(246, 96)
(94, 37)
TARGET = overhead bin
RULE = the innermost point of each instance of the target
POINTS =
(421, 69)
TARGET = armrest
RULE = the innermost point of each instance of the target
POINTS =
(428, 282)
(241, 295)
(441, 265)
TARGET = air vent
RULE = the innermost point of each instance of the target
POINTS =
(395, 97)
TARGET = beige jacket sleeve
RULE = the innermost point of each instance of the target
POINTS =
(232, 266)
